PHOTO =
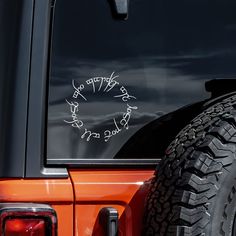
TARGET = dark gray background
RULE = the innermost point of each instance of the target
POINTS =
(164, 53)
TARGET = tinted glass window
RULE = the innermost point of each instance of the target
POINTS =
(109, 78)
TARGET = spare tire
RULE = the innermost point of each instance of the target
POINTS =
(193, 192)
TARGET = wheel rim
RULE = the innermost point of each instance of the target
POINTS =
(234, 227)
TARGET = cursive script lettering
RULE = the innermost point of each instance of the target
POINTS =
(90, 81)
(78, 90)
(89, 135)
(124, 96)
(101, 85)
(75, 122)
(126, 116)
(109, 133)
(111, 82)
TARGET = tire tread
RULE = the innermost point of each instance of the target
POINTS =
(189, 176)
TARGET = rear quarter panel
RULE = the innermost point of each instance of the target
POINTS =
(124, 190)
(58, 193)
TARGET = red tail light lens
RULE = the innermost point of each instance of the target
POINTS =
(25, 227)
(21, 219)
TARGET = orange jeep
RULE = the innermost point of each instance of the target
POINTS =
(117, 117)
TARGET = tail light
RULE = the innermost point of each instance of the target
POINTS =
(18, 219)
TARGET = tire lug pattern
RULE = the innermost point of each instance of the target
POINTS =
(180, 201)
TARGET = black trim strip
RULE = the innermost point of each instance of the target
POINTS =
(15, 46)
(128, 163)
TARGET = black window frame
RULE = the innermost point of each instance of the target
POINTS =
(35, 166)
(15, 46)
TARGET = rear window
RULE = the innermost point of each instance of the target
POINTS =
(109, 78)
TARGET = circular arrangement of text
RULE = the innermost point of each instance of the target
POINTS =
(104, 85)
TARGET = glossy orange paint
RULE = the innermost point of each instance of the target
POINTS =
(123, 189)
(56, 192)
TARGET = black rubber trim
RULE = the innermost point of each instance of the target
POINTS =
(143, 163)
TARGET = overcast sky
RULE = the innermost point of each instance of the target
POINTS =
(163, 54)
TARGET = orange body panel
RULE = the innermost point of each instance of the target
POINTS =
(58, 193)
(125, 190)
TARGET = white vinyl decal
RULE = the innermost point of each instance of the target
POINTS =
(98, 84)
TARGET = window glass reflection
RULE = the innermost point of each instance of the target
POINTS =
(110, 78)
